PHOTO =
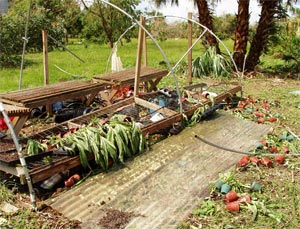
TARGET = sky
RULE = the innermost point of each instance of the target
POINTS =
(224, 7)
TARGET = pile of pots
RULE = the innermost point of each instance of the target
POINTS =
(233, 200)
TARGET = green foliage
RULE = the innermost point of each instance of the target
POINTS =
(34, 147)
(116, 140)
(12, 30)
(291, 52)
(206, 208)
(210, 64)
(105, 23)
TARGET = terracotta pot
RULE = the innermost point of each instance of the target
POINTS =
(266, 161)
(255, 160)
(244, 199)
(244, 161)
(231, 196)
(233, 206)
(280, 159)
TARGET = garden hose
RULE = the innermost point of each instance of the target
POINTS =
(241, 152)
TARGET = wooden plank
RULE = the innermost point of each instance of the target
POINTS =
(62, 97)
(169, 121)
(138, 63)
(12, 110)
(45, 56)
(16, 171)
(18, 124)
(199, 85)
(190, 54)
(44, 172)
(153, 106)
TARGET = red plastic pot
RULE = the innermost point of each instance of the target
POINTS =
(285, 149)
(266, 161)
(272, 119)
(76, 177)
(255, 160)
(244, 199)
(264, 142)
(233, 206)
(231, 196)
(280, 159)
(70, 182)
(260, 120)
(244, 161)
(273, 149)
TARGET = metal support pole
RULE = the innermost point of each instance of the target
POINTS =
(21, 156)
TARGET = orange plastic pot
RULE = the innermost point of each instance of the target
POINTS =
(280, 159)
(233, 206)
(266, 161)
(243, 161)
(231, 196)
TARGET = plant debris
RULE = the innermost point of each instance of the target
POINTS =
(115, 219)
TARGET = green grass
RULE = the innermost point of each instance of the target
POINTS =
(95, 57)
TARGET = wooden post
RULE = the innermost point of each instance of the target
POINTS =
(190, 43)
(138, 63)
(145, 50)
(46, 69)
(45, 56)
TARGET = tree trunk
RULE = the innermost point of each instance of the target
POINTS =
(241, 33)
(205, 18)
(260, 39)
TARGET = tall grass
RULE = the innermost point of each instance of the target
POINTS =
(95, 57)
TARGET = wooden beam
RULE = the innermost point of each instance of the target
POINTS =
(138, 63)
(145, 63)
(153, 106)
(45, 56)
(190, 43)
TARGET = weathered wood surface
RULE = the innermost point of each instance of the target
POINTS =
(126, 77)
(164, 184)
(50, 94)
(12, 110)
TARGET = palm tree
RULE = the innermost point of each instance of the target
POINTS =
(260, 40)
(206, 19)
(241, 33)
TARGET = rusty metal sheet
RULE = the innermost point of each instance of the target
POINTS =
(165, 183)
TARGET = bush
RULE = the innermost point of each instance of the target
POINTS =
(290, 49)
(210, 64)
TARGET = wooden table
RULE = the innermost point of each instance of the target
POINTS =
(149, 77)
(50, 94)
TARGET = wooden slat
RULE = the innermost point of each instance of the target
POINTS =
(153, 106)
(12, 110)
(44, 172)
